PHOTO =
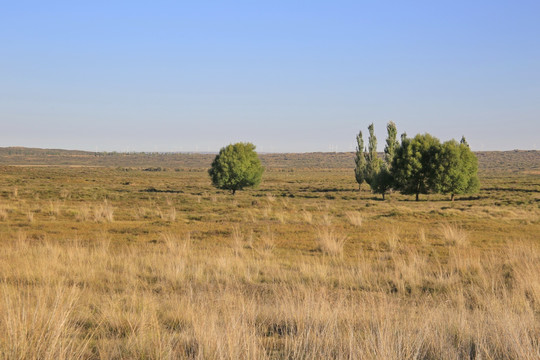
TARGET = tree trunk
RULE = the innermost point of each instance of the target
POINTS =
(383, 196)
(233, 191)
(452, 197)
(417, 196)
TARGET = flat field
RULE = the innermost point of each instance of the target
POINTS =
(138, 256)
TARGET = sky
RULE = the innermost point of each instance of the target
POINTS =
(288, 76)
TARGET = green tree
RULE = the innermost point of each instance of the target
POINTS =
(415, 165)
(458, 172)
(403, 136)
(391, 143)
(235, 167)
(383, 180)
(373, 163)
(359, 160)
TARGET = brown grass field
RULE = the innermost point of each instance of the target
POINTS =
(115, 256)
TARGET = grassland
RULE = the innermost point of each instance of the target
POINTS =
(137, 256)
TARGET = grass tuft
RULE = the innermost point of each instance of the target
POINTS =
(454, 235)
(330, 241)
(104, 212)
(354, 217)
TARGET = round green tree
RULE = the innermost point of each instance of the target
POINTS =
(235, 167)
(459, 169)
(416, 164)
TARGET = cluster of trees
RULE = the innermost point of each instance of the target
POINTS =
(420, 165)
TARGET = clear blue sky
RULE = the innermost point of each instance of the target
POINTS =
(286, 75)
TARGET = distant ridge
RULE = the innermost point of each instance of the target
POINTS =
(515, 160)
(21, 150)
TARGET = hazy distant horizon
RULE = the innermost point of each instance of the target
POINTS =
(286, 76)
(213, 152)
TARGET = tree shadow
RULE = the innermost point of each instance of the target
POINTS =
(154, 190)
(325, 190)
(510, 189)
(424, 199)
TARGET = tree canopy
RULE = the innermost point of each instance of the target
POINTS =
(235, 167)
(383, 181)
(359, 160)
(458, 169)
(416, 164)
(373, 163)
(391, 143)
(420, 165)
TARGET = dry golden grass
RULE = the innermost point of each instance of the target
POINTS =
(267, 211)
(307, 216)
(83, 213)
(326, 219)
(3, 213)
(178, 246)
(167, 215)
(65, 194)
(330, 240)
(231, 280)
(392, 237)
(171, 300)
(422, 235)
(54, 208)
(104, 212)
(270, 198)
(237, 240)
(280, 216)
(354, 217)
(454, 235)
(267, 243)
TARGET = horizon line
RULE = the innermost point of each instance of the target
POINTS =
(213, 152)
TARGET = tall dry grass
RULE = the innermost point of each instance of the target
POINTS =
(237, 240)
(3, 213)
(354, 217)
(330, 240)
(454, 235)
(307, 216)
(167, 215)
(174, 298)
(267, 243)
(53, 208)
(104, 212)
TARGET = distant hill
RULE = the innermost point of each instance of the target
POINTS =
(516, 160)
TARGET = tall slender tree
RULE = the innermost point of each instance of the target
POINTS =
(360, 161)
(373, 163)
(391, 143)
(383, 180)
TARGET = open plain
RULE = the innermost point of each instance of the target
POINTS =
(123, 256)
